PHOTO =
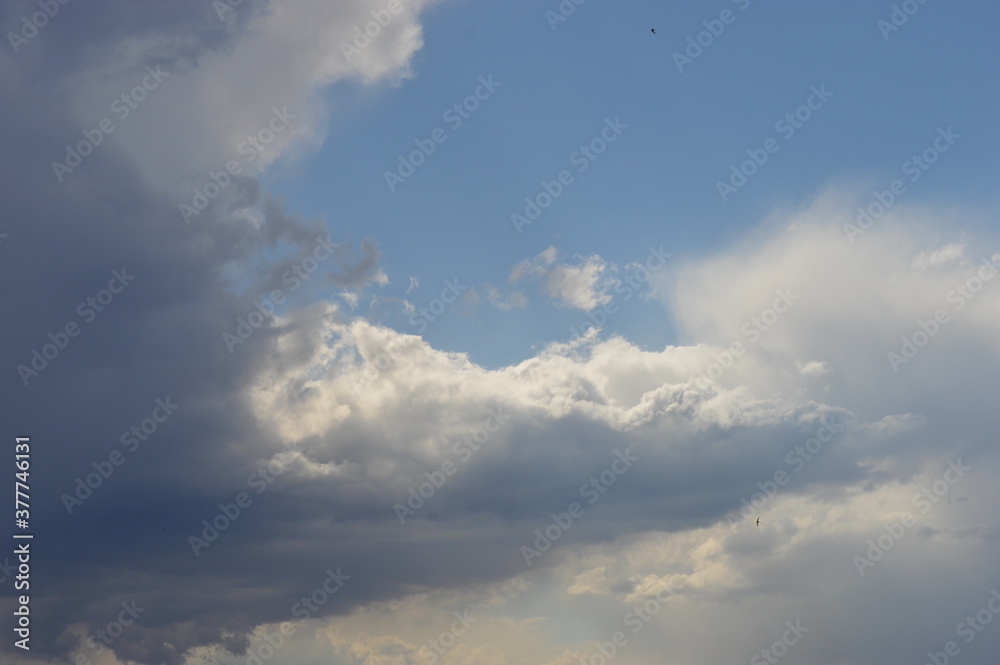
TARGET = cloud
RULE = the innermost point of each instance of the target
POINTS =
(358, 414)
(363, 272)
(704, 443)
(815, 368)
(938, 257)
(161, 338)
(581, 286)
(325, 420)
(516, 299)
(227, 78)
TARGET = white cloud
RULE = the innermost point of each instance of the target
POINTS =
(704, 444)
(584, 285)
(209, 105)
(949, 254)
(813, 368)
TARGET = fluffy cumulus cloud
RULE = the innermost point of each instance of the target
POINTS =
(331, 490)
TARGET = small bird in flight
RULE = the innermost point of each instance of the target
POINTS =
(758, 521)
(653, 30)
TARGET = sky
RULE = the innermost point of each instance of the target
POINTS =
(416, 332)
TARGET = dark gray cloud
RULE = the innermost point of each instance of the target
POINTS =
(161, 337)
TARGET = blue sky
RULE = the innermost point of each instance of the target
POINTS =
(458, 469)
(657, 185)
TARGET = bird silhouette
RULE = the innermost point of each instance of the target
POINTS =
(758, 521)
(653, 30)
